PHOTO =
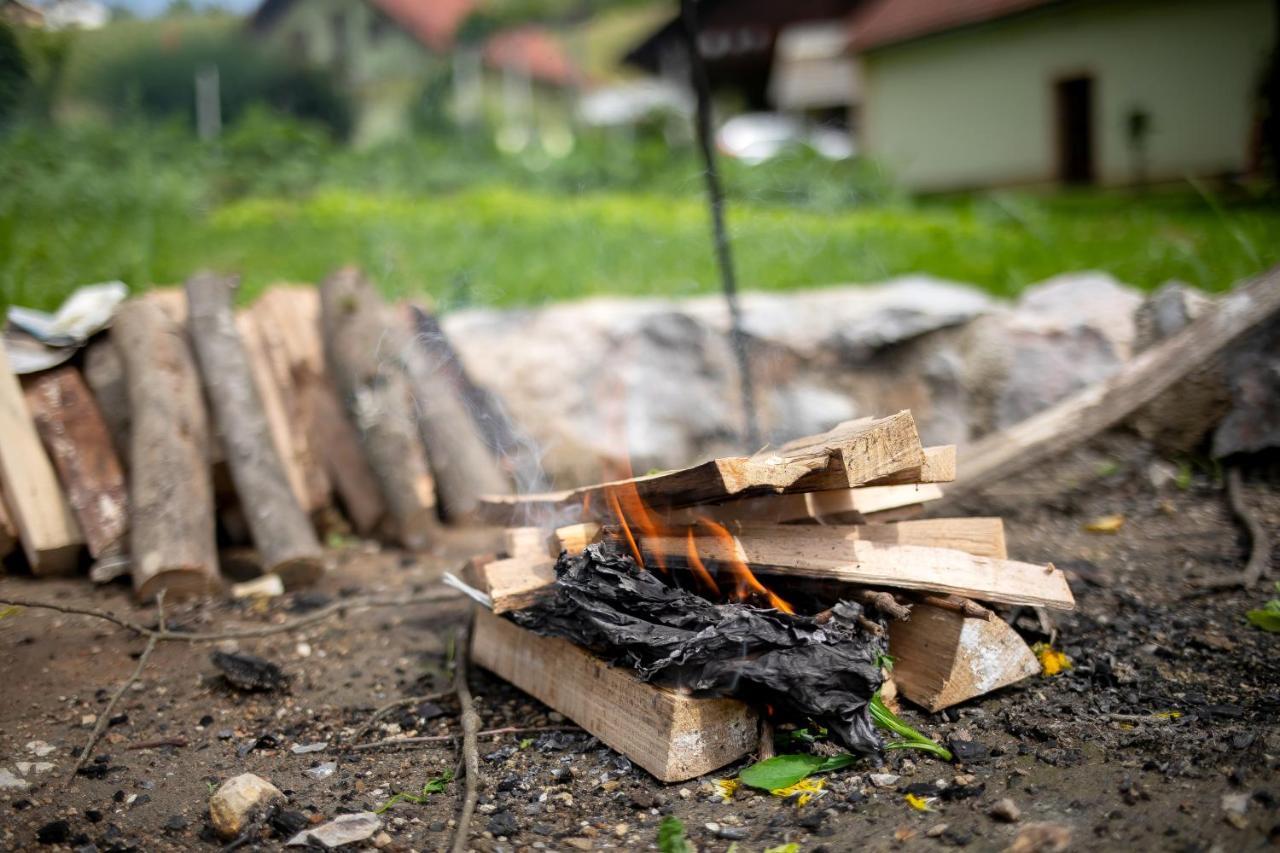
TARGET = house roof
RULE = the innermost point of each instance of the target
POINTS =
(433, 22)
(534, 51)
(887, 22)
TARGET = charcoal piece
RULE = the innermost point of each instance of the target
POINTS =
(820, 668)
(248, 672)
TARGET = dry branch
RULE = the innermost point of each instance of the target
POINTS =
(470, 751)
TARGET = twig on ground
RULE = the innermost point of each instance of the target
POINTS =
(159, 742)
(885, 603)
(1259, 540)
(104, 716)
(164, 635)
(398, 703)
(429, 740)
(470, 753)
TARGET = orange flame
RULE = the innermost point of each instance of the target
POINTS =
(746, 582)
(699, 569)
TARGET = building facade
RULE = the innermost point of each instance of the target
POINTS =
(1018, 92)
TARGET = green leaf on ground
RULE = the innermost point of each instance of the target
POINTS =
(783, 771)
(671, 837)
(433, 786)
(1268, 617)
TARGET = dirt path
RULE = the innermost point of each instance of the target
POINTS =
(1172, 706)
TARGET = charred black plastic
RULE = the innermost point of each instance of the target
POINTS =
(822, 670)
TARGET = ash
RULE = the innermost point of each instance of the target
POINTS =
(823, 668)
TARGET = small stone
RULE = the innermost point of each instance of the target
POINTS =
(1006, 811)
(578, 843)
(503, 823)
(621, 830)
(936, 830)
(685, 793)
(562, 774)
(322, 771)
(884, 780)
(233, 804)
(344, 829)
(87, 720)
(175, 823)
(381, 840)
(40, 748)
(8, 781)
(644, 799)
(1041, 838)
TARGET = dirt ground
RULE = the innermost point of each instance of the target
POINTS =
(1164, 735)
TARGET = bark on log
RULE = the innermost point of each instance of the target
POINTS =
(104, 371)
(8, 535)
(343, 457)
(170, 490)
(282, 532)
(360, 346)
(76, 436)
(1099, 407)
(463, 466)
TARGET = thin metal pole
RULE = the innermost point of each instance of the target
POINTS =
(720, 235)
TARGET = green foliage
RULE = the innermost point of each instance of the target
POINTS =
(783, 771)
(671, 838)
(1268, 616)
(152, 74)
(909, 737)
(435, 785)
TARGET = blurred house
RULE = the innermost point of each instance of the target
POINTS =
(405, 58)
(19, 14)
(978, 93)
(737, 41)
(76, 15)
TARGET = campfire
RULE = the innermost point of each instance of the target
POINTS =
(677, 611)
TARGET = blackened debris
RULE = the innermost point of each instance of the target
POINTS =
(248, 672)
(827, 671)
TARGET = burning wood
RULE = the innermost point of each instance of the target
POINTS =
(714, 579)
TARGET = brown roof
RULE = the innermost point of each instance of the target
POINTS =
(432, 22)
(534, 51)
(889, 22)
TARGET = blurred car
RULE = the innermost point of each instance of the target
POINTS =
(757, 137)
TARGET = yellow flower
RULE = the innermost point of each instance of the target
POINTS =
(806, 788)
(918, 803)
(726, 788)
(1052, 661)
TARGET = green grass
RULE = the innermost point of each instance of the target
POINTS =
(153, 211)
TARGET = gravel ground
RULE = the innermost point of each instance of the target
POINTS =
(1164, 735)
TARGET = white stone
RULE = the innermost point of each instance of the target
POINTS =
(235, 801)
(345, 829)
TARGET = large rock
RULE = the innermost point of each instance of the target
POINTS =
(238, 801)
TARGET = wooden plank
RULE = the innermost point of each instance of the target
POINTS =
(939, 466)
(273, 407)
(50, 535)
(674, 737)
(286, 320)
(79, 443)
(942, 658)
(281, 529)
(573, 538)
(815, 552)
(1143, 379)
(515, 583)
(836, 505)
(8, 535)
(524, 541)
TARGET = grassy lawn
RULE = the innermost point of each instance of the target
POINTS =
(149, 217)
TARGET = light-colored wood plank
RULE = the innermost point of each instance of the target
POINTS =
(939, 466)
(674, 737)
(79, 443)
(943, 658)
(50, 535)
(835, 505)
(525, 541)
(981, 537)
(813, 552)
(572, 538)
(8, 535)
(286, 321)
(515, 583)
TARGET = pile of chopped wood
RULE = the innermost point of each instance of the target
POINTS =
(822, 519)
(192, 429)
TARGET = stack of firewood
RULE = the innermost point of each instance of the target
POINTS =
(191, 427)
(827, 509)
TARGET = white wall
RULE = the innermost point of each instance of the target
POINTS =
(976, 107)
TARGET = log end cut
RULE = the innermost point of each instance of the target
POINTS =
(298, 572)
(176, 582)
(942, 658)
